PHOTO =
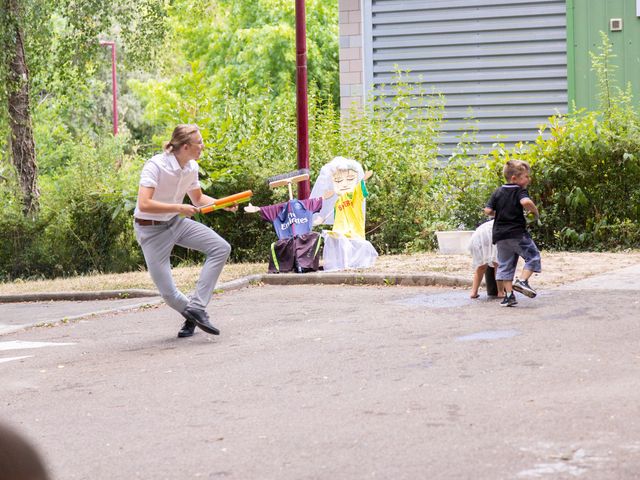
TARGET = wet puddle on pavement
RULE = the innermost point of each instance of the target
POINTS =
(437, 300)
(451, 300)
(489, 335)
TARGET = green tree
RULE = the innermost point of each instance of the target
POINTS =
(252, 44)
(16, 91)
(217, 48)
(49, 47)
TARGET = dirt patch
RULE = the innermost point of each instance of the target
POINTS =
(558, 268)
(185, 278)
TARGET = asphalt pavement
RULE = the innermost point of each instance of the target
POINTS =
(20, 311)
(362, 379)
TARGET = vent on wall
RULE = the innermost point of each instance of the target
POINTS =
(615, 24)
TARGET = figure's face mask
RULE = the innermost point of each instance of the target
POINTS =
(344, 181)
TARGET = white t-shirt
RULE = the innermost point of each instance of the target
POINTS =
(483, 251)
(171, 183)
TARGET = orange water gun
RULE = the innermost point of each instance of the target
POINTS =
(227, 201)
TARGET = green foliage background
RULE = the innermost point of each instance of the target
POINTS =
(229, 66)
(587, 170)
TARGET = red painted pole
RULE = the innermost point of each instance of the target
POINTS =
(301, 95)
(114, 84)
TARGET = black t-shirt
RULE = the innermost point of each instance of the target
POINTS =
(509, 220)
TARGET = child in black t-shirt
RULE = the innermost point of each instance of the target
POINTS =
(507, 205)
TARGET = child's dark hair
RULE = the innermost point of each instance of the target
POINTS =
(515, 168)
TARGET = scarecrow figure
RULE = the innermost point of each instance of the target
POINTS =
(298, 247)
(342, 183)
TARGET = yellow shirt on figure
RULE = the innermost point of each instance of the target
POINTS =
(348, 212)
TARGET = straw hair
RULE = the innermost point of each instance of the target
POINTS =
(181, 136)
(515, 168)
(341, 164)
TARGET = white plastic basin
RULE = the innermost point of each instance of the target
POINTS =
(454, 241)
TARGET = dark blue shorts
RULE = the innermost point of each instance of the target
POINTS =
(510, 249)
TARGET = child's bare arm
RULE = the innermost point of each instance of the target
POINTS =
(529, 206)
(489, 211)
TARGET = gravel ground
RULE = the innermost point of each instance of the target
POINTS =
(558, 268)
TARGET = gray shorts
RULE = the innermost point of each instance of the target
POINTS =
(510, 249)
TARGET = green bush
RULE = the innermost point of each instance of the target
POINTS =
(89, 187)
(396, 139)
(586, 175)
(256, 138)
(587, 170)
(462, 186)
(587, 181)
(84, 223)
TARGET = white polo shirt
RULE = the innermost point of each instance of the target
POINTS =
(171, 183)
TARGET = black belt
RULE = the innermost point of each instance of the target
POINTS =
(143, 221)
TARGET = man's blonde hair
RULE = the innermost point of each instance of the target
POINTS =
(181, 136)
(515, 168)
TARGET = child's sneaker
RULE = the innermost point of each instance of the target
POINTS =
(524, 288)
(509, 301)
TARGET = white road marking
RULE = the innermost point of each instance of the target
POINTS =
(20, 345)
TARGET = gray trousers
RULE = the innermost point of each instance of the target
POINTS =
(157, 242)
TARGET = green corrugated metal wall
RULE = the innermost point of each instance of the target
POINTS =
(585, 19)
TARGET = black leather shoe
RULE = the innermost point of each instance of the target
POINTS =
(201, 319)
(188, 327)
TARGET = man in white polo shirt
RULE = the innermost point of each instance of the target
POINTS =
(161, 221)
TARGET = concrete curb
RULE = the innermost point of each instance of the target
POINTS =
(16, 328)
(77, 296)
(403, 279)
(319, 278)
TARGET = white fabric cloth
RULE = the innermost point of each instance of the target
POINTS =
(324, 182)
(483, 251)
(341, 253)
(171, 183)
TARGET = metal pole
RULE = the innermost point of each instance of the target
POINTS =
(114, 84)
(301, 96)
